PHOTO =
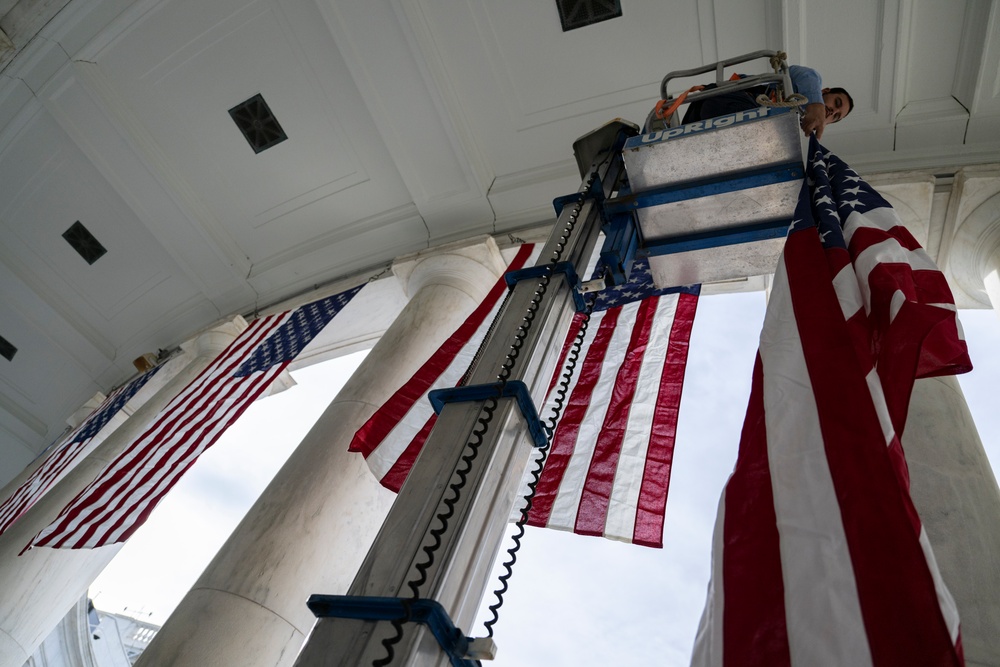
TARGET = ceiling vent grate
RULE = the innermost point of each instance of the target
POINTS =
(84, 242)
(7, 350)
(579, 13)
(257, 123)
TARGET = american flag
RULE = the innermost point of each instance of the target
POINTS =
(608, 470)
(115, 504)
(391, 439)
(648, 348)
(68, 452)
(819, 557)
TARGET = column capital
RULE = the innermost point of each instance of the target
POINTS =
(84, 410)
(974, 213)
(215, 340)
(471, 268)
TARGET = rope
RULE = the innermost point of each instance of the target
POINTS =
(777, 59)
(793, 100)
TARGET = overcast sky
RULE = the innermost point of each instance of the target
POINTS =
(573, 600)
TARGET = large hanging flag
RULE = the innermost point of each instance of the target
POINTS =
(819, 557)
(391, 439)
(608, 470)
(115, 504)
(613, 485)
(67, 453)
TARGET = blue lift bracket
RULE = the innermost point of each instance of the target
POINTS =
(480, 392)
(429, 612)
(565, 268)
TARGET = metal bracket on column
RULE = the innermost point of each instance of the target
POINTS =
(565, 268)
(462, 651)
(480, 392)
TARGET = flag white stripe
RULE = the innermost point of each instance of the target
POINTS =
(708, 641)
(820, 589)
(191, 401)
(185, 446)
(175, 467)
(947, 603)
(881, 407)
(848, 293)
(564, 509)
(383, 457)
(624, 503)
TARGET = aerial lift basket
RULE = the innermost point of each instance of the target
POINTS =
(712, 199)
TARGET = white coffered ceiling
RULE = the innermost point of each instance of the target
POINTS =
(410, 123)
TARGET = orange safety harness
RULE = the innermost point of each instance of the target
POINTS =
(661, 114)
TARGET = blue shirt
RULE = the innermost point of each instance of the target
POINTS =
(806, 81)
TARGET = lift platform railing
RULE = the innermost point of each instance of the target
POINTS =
(779, 79)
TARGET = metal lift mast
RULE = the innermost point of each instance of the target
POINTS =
(447, 525)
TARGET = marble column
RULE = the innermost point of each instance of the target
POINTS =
(312, 526)
(958, 500)
(952, 483)
(38, 587)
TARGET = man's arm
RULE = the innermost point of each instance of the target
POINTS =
(807, 82)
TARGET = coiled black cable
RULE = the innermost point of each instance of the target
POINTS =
(536, 474)
(483, 422)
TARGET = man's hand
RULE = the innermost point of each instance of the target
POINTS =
(814, 120)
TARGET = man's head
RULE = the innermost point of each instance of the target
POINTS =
(838, 104)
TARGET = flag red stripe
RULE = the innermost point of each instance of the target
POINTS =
(751, 567)
(660, 453)
(182, 409)
(122, 529)
(574, 331)
(549, 418)
(186, 446)
(895, 588)
(49, 471)
(187, 453)
(592, 511)
(865, 237)
(394, 479)
(106, 494)
(380, 424)
(568, 430)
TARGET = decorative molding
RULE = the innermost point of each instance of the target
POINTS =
(425, 41)
(120, 116)
(22, 22)
(54, 300)
(24, 416)
(972, 52)
(972, 230)
(388, 72)
(707, 33)
(368, 225)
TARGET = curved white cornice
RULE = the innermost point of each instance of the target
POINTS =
(975, 249)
